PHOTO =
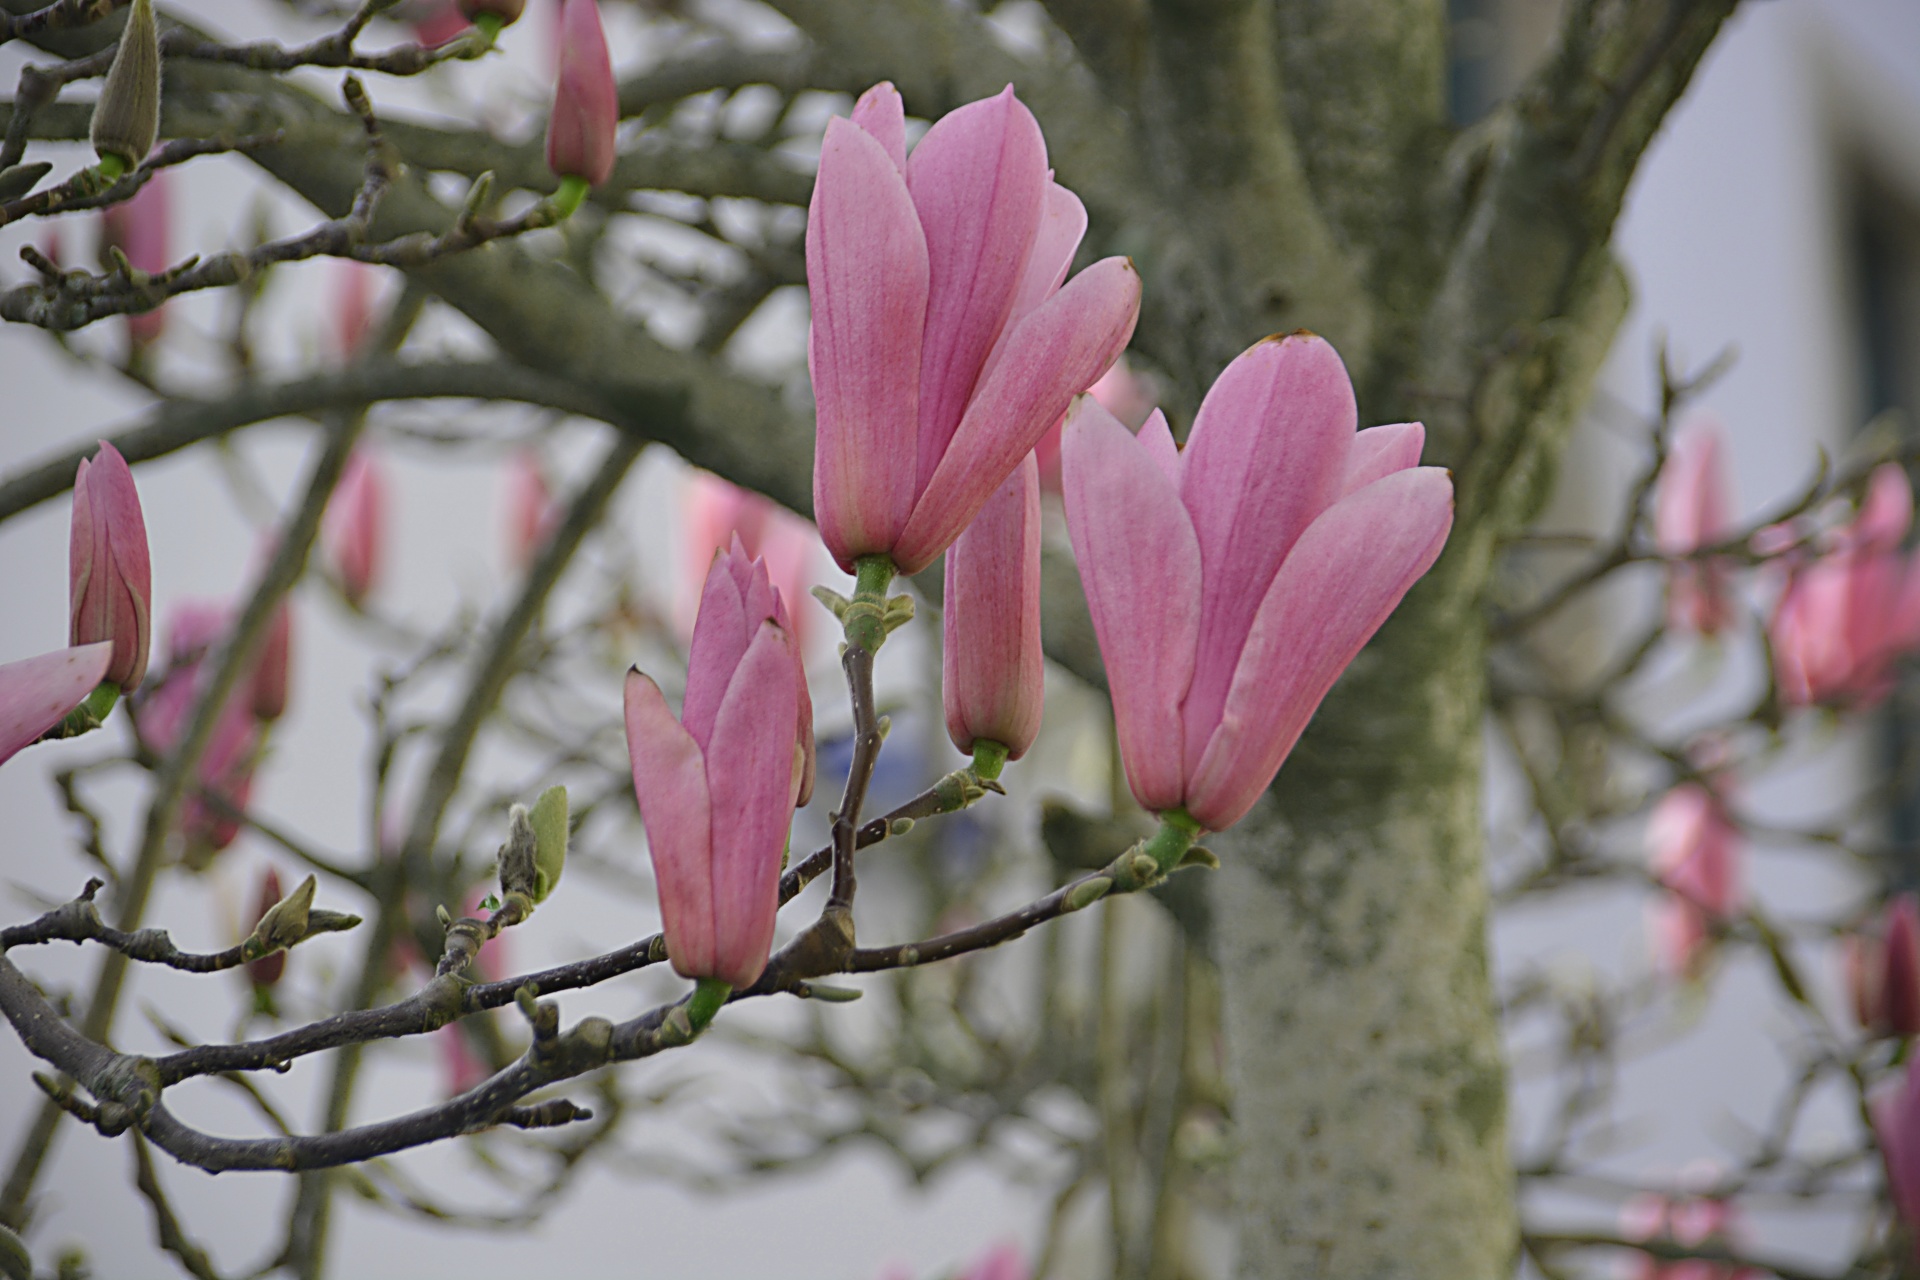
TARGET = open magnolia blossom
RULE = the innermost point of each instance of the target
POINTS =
(1232, 582)
(943, 340)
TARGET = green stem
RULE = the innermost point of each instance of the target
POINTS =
(112, 165)
(865, 619)
(708, 995)
(1176, 835)
(567, 199)
(989, 758)
(490, 25)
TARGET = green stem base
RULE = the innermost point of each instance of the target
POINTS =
(708, 995)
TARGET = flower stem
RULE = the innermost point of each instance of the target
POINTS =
(708, 995)
(567, 198)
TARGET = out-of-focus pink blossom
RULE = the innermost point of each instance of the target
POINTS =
(435, 22)
(1896, 1127)
(586, 107)
(355, 527)
(353, 311)
(141, 228)
(717, 787)
(37, 693)
(943, 340)
(1694, 852)
(1690, 1222)
(1845, 618)
(1231, 583)
(460, 1067)
(1883, 971)
(530, 514)
(993, 673)
(1122, 392)
(109, 576)
(715, 513)
(1004, 1261)
(267, 686)
(1692, 509)
(226, 766)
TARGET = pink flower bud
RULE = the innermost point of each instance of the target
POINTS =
(226, 766)
(141, 229)
(993, 675)
(1845, 619)
(1232, 583)
(37, 693)
(530, 512)
(1691, 510)
(716, 512)
(1896, 1127)
(1688, 1221)
(943, 343)
(435, 22)
(110, 580)
(267, 970)
(353, 286)
(356, 525)
(1694, 852)
(586, 106)
(1883, 971)
(267, 686)
(717, 787)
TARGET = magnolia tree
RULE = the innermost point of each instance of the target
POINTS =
(1302, 631)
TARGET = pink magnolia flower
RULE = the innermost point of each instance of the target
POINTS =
(1694, 851)
(716, 512)
(1883, 971)
(1691, 510)
(1896, 1127)
(460, 1067)
(1688, 1221)
(1230, 584)
(586, 106)
(356, 525)
(141, 229)
(717, 787)
(353, 312)
(943, 342)
(268, 969)
(1844, 619)
(1122, 392)
(530, 512)
(37, 693)
(992, 671)
(109, 576)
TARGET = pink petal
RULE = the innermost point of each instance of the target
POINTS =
(1140, 564)
(37, 693)
(1344, 575)
(110, 577)
(993, 675)
(670, 783)
(1381, 451)
(1127, 396)
(1887, 511)
(1054, 354)
(721, 633)
(1267, 455)
(1690, 500)
(880, 112)
(867, 278)
(586, 107)
(1063, 221)
(979, 183)
(1157, 439)
(751, 777)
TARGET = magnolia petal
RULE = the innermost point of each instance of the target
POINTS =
(37, 693)
(1381, 451)
(1140, 564)
(993, 675)
(1157, 439)
(1267, 455)
(670, 783)
(1346, 573)
(979, 183)
(750, 776)
(1063, 222)
(881, 113)
(867, 280)
(721, 632)
(1055, 354)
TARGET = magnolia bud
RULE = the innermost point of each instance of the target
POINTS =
(126, 119)
(518, 856)
(549, 821)
(266, 971)
(109, 576)
(285, 922)
(586, 109)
